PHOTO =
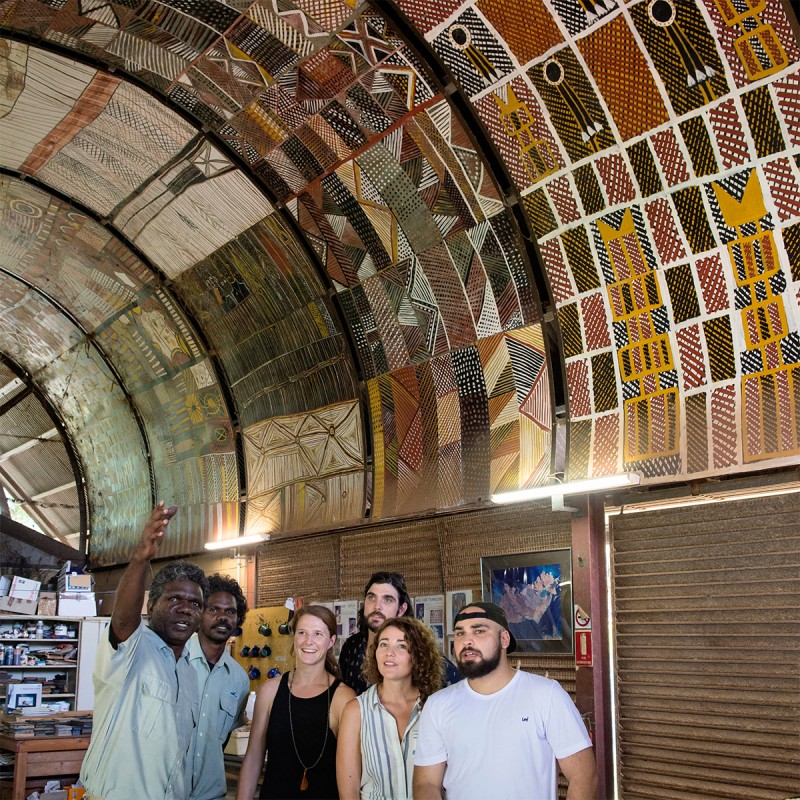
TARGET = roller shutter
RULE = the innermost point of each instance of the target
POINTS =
(706, 603)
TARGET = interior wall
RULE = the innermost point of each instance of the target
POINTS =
(435, 555)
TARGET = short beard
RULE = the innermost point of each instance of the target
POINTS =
(369, 625)
(477, 669)
(214, 636)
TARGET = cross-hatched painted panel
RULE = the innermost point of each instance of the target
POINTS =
(573, 104)
(683, 51)
(615, 62)
(472, 53)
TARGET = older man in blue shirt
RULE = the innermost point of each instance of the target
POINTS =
(146, 699)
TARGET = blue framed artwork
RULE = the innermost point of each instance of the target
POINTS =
(535, 591)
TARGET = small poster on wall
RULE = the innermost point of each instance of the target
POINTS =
(455, 602)
(346, 612)
(429, 608)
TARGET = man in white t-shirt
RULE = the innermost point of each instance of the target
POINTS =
(499, 733)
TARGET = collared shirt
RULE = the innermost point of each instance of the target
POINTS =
(223, 695)
(145, 709)
(387, 762)
(351, 658)
(352, 655)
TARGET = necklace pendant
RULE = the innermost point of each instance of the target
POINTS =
(304, 781)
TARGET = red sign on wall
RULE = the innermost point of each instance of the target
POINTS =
(583, 648)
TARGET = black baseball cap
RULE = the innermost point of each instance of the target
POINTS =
(488, 611)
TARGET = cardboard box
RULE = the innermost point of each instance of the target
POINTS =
(75, 582)
(17, 606)
(5, 585)
(237, 743)
(76, 604)
(48, 604)
(25, 588)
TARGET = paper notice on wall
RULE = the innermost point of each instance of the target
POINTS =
(346, 612)
(429, 608)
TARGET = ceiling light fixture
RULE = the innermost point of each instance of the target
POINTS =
(573, 487)
(241, 541)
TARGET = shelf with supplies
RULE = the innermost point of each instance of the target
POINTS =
(40, 650)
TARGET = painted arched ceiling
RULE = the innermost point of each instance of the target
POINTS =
(299, 265)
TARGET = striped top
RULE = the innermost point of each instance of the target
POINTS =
(387, 763)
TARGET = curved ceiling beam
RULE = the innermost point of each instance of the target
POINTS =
(48, 520)
(232, 153)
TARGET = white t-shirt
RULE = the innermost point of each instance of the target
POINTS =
(503, 744)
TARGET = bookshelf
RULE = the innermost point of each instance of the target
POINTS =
(39, 655)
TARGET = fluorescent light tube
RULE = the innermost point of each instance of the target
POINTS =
(574, 487)
(227, 544)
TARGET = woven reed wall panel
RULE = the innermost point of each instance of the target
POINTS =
(307, 568)
(412, 549)
(498, 531)
(435, 555)
(707, 606)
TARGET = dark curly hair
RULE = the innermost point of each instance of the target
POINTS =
(426, 662)
(176, 571)
(224, 583)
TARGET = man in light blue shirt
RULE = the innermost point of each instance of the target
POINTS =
(223, 687)
(146, 700)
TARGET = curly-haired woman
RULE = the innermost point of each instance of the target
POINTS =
(378, 731)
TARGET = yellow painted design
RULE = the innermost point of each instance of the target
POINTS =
(757, 45)
(378, 451)
(769, 408)
(536, 154)
(651, 419)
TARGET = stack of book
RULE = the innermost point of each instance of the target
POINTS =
(61, 654)
(66, 724)
(18, 727)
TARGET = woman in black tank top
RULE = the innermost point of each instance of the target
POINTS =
(296, 718)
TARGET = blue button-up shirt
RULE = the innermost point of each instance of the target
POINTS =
(223, 695)
(146, 705)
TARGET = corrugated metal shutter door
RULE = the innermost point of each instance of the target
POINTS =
(708, 650)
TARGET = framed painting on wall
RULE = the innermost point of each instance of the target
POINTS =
(535, 591)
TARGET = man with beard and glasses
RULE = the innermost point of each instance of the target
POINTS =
(385, 597)
(146, 699)
(501, 732)
(223, 686)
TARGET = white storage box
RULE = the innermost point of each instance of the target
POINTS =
(25, 589)
(76, 604)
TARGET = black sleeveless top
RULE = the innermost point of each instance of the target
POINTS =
(283, 773)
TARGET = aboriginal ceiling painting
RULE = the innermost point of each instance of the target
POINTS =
(294, 265)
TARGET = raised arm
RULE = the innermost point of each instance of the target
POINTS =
(580, 770)
(253, 761)
(348, 753)
(130, 593)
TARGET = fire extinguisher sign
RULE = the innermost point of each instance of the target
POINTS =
(583, 638)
